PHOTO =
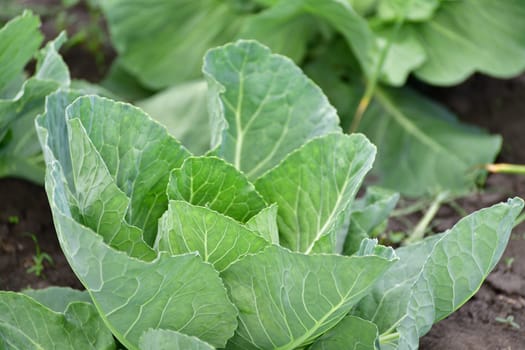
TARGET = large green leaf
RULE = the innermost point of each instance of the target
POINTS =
(352, 333)
(137, 153)
(181, 108)
(473, 35)
(283, 27)
(437, 276)
(183, 30)
(278, 295)
(27, 324)
(19, 40)
(355, 29)
(422, 147)
(314, 188)
(161, 339)
(219, 239)
(211, 182)
(460, 38)
(100, 204)
(20, 153)
(172, 37)
(253, 90)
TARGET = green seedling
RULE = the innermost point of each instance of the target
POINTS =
(38, 258)
(508, 262)
(13, 219)
(396, 237)
(508, 320)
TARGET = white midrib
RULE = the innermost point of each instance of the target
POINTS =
(238, 121)
(335, 211)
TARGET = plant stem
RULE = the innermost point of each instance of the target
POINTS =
(372, 82)
(458, 208)
(505, 168)
(387, 338)
(411, 208)
(421, 227)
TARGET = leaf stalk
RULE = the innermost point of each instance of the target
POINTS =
(421, 227)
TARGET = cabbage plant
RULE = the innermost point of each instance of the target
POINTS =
(259, 244)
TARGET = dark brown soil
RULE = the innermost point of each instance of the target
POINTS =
(28, 203)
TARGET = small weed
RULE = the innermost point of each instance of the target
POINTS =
(396, 237)
(508, 262)
(508, 320)
(13, 219)
(38, 258)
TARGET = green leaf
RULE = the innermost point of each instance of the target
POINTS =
(211, 182)
(314, 188)
(423, 148)
(410, 10)
(447, 286)
(387, 303)
(137, 153)
(278, 295)
(100, 204)
(463, 37)
(476, 35)
(161, 339)
(19, 40)
(254, 90)
(352, 333)
(337, 73)
(54, 121)
(363, 7)
(354, 28)
(403, 55)
(170, 32)
(437, 276)
(181, 108)
(27, 324)
(57, 298)
(368, 213)
(283, 27)
(50, 65)
(220, 240)
(265, 223)
(20, 153)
